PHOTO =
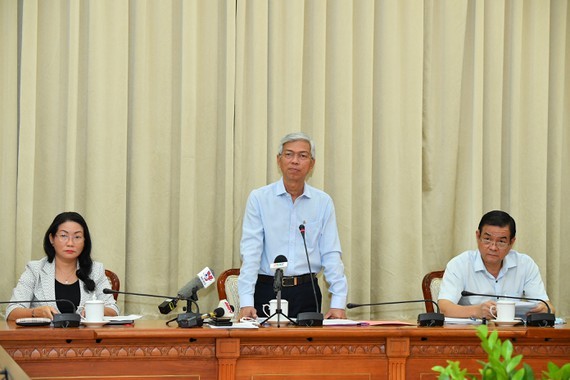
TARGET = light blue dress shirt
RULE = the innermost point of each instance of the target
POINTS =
(271, 228)
(519, 277)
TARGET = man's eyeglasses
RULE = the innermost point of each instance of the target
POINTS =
(64, 238)
(302, 156)
(501, 244)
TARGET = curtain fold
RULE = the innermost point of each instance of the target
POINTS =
(155, 119)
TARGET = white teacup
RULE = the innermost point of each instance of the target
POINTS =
(94, 310)
(503, 311)
(271, 308)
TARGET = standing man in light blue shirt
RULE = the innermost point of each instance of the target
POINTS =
(494, 268)
(271, 228)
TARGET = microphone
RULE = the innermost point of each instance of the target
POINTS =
(188, 319)
(279, 263)
(168, 305)
(61, 319)
(424, 319)
(220, 316)
(532, 319)
(217, 313)
(229, 310)
(202, 280)
(310, 318)
(197, 320)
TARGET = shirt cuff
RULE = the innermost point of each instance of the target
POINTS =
(245, 301)
(338, 302)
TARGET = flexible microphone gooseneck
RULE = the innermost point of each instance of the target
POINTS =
(111, 291)
(424, 319)
(532, 319)
(61, 319)
(310, 318)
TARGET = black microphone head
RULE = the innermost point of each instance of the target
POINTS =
(351, 305)
(218, 312)
(466, 293)
(302, 228)
(280, 259)
(167, 306)
(108, 291)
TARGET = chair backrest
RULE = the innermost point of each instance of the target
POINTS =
(430, 287)
(228, 287)
(114, 280)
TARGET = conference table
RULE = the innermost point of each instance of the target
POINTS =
(149, 349)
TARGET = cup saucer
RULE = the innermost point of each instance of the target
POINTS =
(507, 323)
(94, 323)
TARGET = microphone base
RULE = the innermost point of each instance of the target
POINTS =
(187, 320)
(66, 320)
(310, 318)
(540, 319)
(221, 322)
(431, 319)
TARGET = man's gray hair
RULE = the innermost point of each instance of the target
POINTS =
(296, 136)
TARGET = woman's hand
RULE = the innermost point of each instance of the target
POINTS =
(44, 312)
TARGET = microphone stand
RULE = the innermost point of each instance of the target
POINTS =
(310, 318)
(277, 285)
(424, 319)
(532, 319)
(62, 319)
(188, 319)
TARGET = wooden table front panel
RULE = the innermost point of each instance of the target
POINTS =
(315, 353)
(537, 345)
(149, 351)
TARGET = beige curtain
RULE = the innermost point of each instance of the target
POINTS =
(155, 119)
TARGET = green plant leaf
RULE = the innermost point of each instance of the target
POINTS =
(482, 332)
(451, 372)
(513, 363)
(529, 374)
(492, 341)
(507, 349)
(500, 364)
(519, 375)
(556, 373)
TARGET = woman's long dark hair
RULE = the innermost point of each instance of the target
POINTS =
(85, 261)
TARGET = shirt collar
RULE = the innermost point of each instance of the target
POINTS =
(508, 263)
(280, 189)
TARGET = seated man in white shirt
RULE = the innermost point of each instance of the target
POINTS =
(494, 268)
